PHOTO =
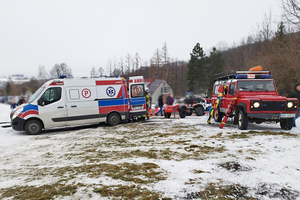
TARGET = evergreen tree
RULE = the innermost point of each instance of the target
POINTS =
(196, 69)
(216, 65)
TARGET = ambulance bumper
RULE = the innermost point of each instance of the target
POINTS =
(138, 113)
(17, 124)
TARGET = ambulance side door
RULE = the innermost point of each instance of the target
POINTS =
(81, 105)
(52, 107)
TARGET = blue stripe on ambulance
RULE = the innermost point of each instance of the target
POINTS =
(112, 102)
(137, 101)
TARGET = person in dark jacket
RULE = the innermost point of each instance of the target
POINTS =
(21, 101)
(160, 104)
(295, 94)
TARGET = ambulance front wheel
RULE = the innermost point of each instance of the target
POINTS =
(33, 127)
(113, 119)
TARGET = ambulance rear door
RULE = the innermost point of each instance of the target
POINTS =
(137, 99)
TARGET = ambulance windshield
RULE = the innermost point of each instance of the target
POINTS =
(36, 94)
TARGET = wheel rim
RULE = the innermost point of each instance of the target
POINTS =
(114, 120)
(240, 120)
(216, 114)
(33, 128)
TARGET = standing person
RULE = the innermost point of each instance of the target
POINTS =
(148, 102)
(295, 94)
(171, 100)
(21, 101)
(160, 105)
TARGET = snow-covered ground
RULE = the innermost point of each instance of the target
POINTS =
(192, 157)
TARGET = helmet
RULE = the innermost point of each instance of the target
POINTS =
(147, 89)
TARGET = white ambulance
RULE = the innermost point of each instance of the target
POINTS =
(73, 102)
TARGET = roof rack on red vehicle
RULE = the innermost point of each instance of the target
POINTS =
(245, 75)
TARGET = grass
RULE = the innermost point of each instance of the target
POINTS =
(49, 191)
(127, 192)
(229, 191)
(103, 157)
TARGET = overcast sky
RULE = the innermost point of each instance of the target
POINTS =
(87, 33)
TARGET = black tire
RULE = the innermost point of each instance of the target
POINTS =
(218, 115)
(182, 112)
(168, 115)
(113, 119)
(242, 120)
(33, 127)
(287, 124)
(199, 111)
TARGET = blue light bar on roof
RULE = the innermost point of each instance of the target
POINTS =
(253, 76)
(241, 76)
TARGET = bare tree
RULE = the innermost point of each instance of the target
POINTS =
(61, 70)
(128, 64)
(42, 73)
(121, 65)
(101, 72)
(109, 67)
(137, 62)
(94, 73)
(165, 62)
(292, 11)
(156, 59)
(266, 28)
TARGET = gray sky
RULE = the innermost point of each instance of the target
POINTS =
(87, 33)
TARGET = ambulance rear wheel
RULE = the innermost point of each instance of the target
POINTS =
(113, 119)
(33, 127)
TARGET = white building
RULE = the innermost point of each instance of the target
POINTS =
(158, 87)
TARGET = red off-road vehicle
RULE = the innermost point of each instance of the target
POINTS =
(257, 100)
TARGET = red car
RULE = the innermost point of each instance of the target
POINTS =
(257, 100)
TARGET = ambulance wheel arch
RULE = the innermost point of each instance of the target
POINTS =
(113, 119)
(33, 126)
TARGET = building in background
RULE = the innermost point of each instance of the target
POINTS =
(158, 87)
(15, 78)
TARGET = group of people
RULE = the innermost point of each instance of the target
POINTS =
(20, 102)
(159, 103)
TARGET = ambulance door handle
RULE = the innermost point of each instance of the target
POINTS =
(60, 107)
(73, 106)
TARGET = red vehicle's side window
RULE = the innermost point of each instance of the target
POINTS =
(231, 89)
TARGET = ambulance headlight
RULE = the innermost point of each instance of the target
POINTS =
(290, 104)
(256, 104)
(17, 113)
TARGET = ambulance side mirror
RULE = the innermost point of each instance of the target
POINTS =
(40, 102)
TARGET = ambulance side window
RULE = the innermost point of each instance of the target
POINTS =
(137, 90)
(51, 95)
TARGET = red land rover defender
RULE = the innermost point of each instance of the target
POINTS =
(257, 100)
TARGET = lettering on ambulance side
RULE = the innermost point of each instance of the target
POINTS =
(140, 80)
